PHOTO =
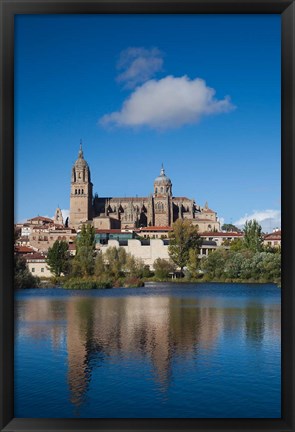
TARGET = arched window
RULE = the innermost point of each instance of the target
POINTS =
(156, 190)
(82, 191)
(75, 191)
(79, 192)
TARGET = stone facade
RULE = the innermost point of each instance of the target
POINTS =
(149, 251)
(37, 265)
(159, 209)
(42, 239)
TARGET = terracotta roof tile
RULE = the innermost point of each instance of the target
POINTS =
(23, 249)
(220, 234)
(34, 256)
(109, 231)
(155, 228)
(42, 218)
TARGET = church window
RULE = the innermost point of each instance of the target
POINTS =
(79, 192)
(156, 190)
(82, 191)
(75, 191)
(79, 175)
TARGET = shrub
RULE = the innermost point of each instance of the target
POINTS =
(162, 268)
(86, 284)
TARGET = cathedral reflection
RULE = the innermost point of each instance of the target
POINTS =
(158, 329)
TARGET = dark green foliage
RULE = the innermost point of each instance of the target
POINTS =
(83, 263)
(233, 265)
(213, 266)
(236, 244)
(230, 228)
(22, 276)
(244, 265)
(58, 258)
(253, 236)
(86, 284)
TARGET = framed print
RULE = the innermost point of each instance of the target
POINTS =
(147, 208)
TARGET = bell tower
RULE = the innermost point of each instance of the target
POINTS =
(81, 192)
(162, 199)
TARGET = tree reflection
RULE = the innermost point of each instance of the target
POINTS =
(158, 329)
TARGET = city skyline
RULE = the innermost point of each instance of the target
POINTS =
(205, 104)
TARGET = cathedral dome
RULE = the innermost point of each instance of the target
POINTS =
(162, 178)
(81, 162)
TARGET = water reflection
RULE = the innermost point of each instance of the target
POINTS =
(161, 329)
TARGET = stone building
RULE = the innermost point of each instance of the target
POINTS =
(160, 209)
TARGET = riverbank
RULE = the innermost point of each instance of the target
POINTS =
(91, 283)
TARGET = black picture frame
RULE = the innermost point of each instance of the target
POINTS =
(8, 9)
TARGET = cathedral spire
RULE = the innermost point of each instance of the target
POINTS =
(80, 154)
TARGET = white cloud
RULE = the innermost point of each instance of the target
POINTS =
(268, 219)
(138, 65)
(170, 102)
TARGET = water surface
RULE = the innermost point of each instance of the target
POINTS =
(165, 350)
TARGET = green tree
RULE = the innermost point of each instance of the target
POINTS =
(83, 263)
(115, 259)
(22, 275)
(99, 266)
(193, 264)
(230, 228)
(163, 268)
(58, 258)
(237, 245)
(183, 238)
(214, 264)
(233, 265)
(253, 235)
(271, 267)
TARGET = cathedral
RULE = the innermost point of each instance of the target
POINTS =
(160, 209)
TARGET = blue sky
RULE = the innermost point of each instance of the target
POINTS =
(200, 93)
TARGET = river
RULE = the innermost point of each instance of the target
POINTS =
(161, 351)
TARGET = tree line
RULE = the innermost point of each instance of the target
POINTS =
(244, 259)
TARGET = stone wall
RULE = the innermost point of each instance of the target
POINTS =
(148, 253)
